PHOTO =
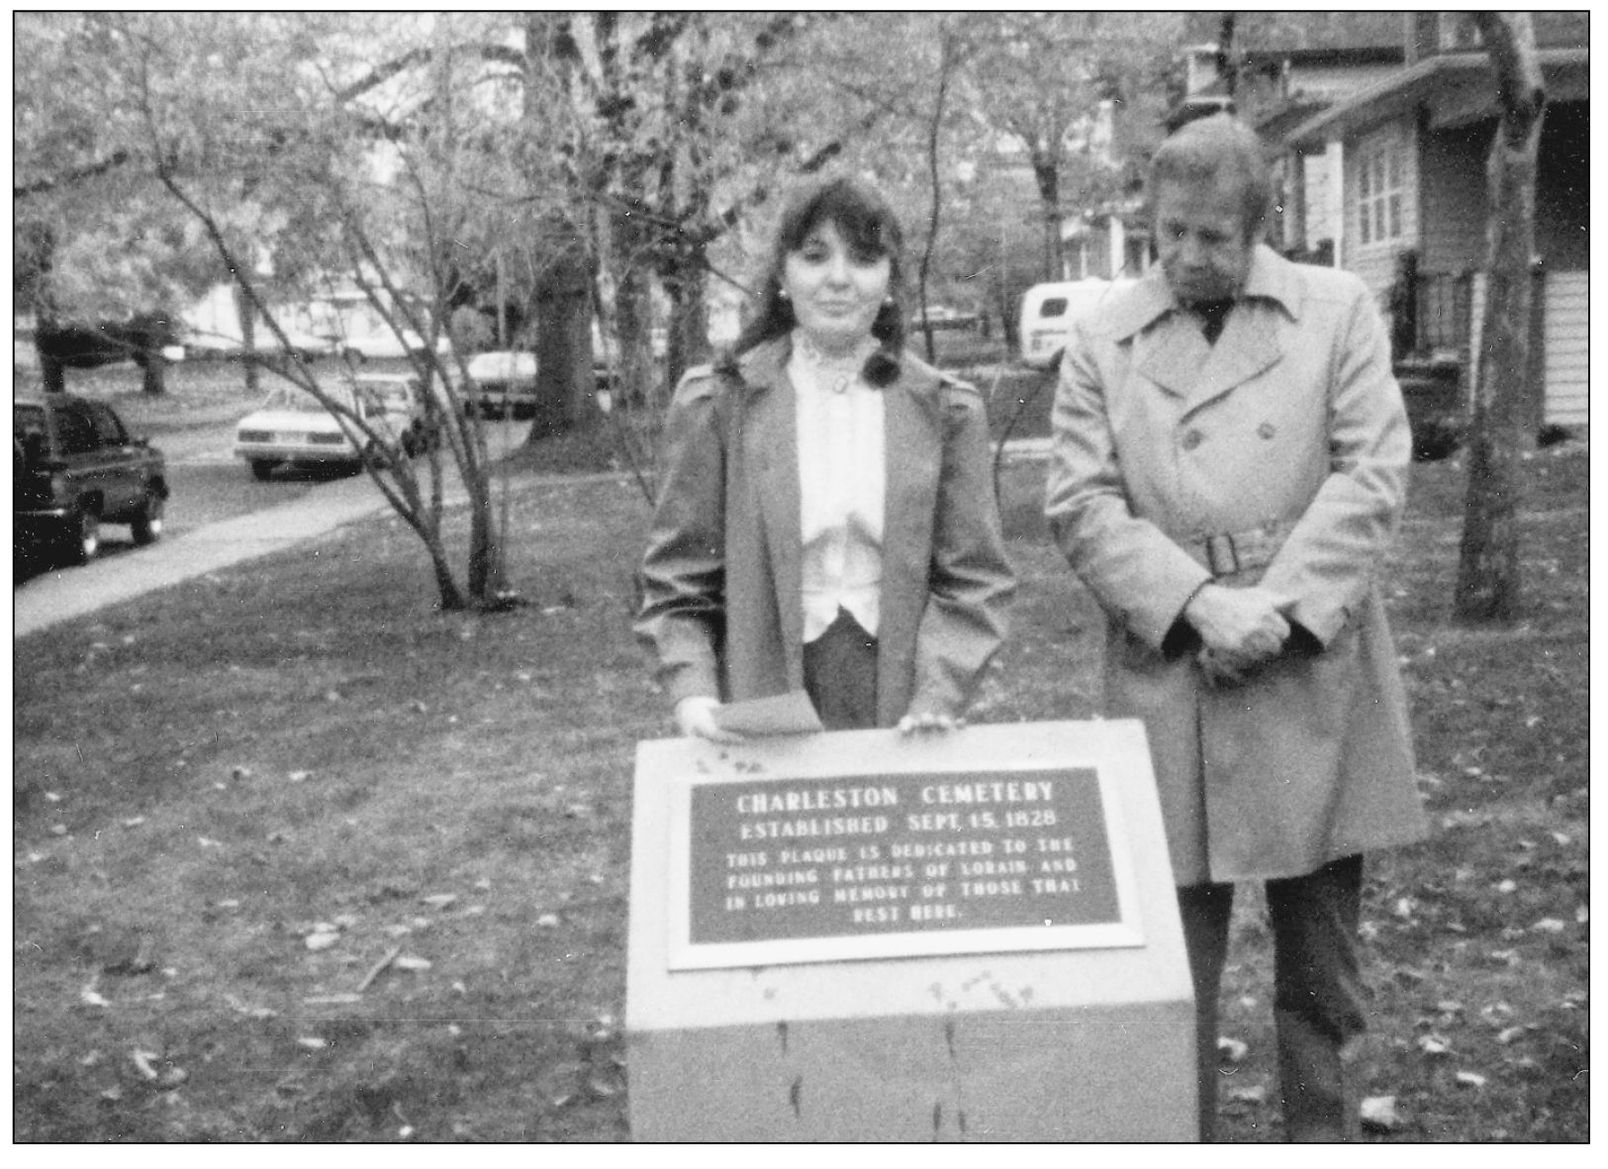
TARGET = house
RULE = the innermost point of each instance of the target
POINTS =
(1411, 150)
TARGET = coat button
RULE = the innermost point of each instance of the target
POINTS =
(1192, 439)
(1266, 430)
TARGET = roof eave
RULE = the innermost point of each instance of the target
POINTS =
(1400, 90)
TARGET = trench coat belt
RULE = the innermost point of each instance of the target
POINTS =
(1226, 553)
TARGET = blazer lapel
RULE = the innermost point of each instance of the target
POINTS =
(770, 449)
(912, 458)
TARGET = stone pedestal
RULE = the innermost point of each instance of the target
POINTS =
(859, 937)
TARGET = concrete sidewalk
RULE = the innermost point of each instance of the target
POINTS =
(76, 591)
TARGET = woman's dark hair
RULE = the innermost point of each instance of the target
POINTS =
(870, 227)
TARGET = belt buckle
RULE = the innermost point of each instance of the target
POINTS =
(1231, 555)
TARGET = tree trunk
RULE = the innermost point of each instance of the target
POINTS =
(248, 340)
(688, 340)
(563, 345)
(632, 367)
(1048, 179)
(1488, 587)
(154, 381)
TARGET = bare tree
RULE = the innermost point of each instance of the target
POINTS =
(1488, 586)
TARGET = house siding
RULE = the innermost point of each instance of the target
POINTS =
(1564, 340)
(1566, 335)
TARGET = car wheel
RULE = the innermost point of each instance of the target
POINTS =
(82, 538)
(147, 526)
(262, 468)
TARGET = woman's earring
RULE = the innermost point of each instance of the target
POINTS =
(887, 300)
(782, 292)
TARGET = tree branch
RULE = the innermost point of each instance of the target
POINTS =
(77, 175)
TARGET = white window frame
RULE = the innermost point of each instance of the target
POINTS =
(1381, 191)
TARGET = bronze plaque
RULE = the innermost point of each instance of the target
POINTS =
(908, 853)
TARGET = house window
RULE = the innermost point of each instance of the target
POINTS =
(1379, 193)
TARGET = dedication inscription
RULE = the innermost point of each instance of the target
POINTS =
(857, 856)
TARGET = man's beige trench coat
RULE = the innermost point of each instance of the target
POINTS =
(722, 578)
(1278, 456)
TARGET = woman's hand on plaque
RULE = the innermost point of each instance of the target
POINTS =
(927, 721)
(695, 715)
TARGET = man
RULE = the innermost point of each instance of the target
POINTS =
(1229, 465)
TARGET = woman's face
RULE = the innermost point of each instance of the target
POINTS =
(835, 291)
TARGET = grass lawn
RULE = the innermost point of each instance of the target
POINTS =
(298, 858)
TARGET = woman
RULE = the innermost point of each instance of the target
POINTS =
(826, 519)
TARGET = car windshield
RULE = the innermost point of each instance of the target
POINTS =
(375, 400)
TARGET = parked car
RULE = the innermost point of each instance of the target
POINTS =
(1050, 310)
(294, 429)
(503, 383)
(75, 466)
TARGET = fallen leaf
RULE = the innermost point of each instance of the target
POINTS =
(322, 941)
(1434, 1045)
(408, 962)
(1509, 1034)
(1507, 886)
(1470, 1080)
(547, 920)
(240, 773)
(143, 1060)
(312, 1042)
(1230, 1050)
(112, 1094)
(1549, 925)
(1449, 1007)
(93, 997)
(439, 900)
(53, 797)
(58, 830)
(246, 1009)
(1582, 914)
(1379, 1114)
(299, 776)
(331, 1000)
(133, 821)
(1253, 1094)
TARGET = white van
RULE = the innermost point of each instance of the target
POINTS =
(1050, 310)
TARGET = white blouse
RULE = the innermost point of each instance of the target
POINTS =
(842, 482)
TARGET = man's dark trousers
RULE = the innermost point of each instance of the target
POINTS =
(1318, 993)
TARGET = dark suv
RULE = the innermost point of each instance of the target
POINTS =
(75, 466)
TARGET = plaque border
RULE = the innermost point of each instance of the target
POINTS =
(1126, 931)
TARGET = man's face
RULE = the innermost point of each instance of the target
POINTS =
(1201, 238)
